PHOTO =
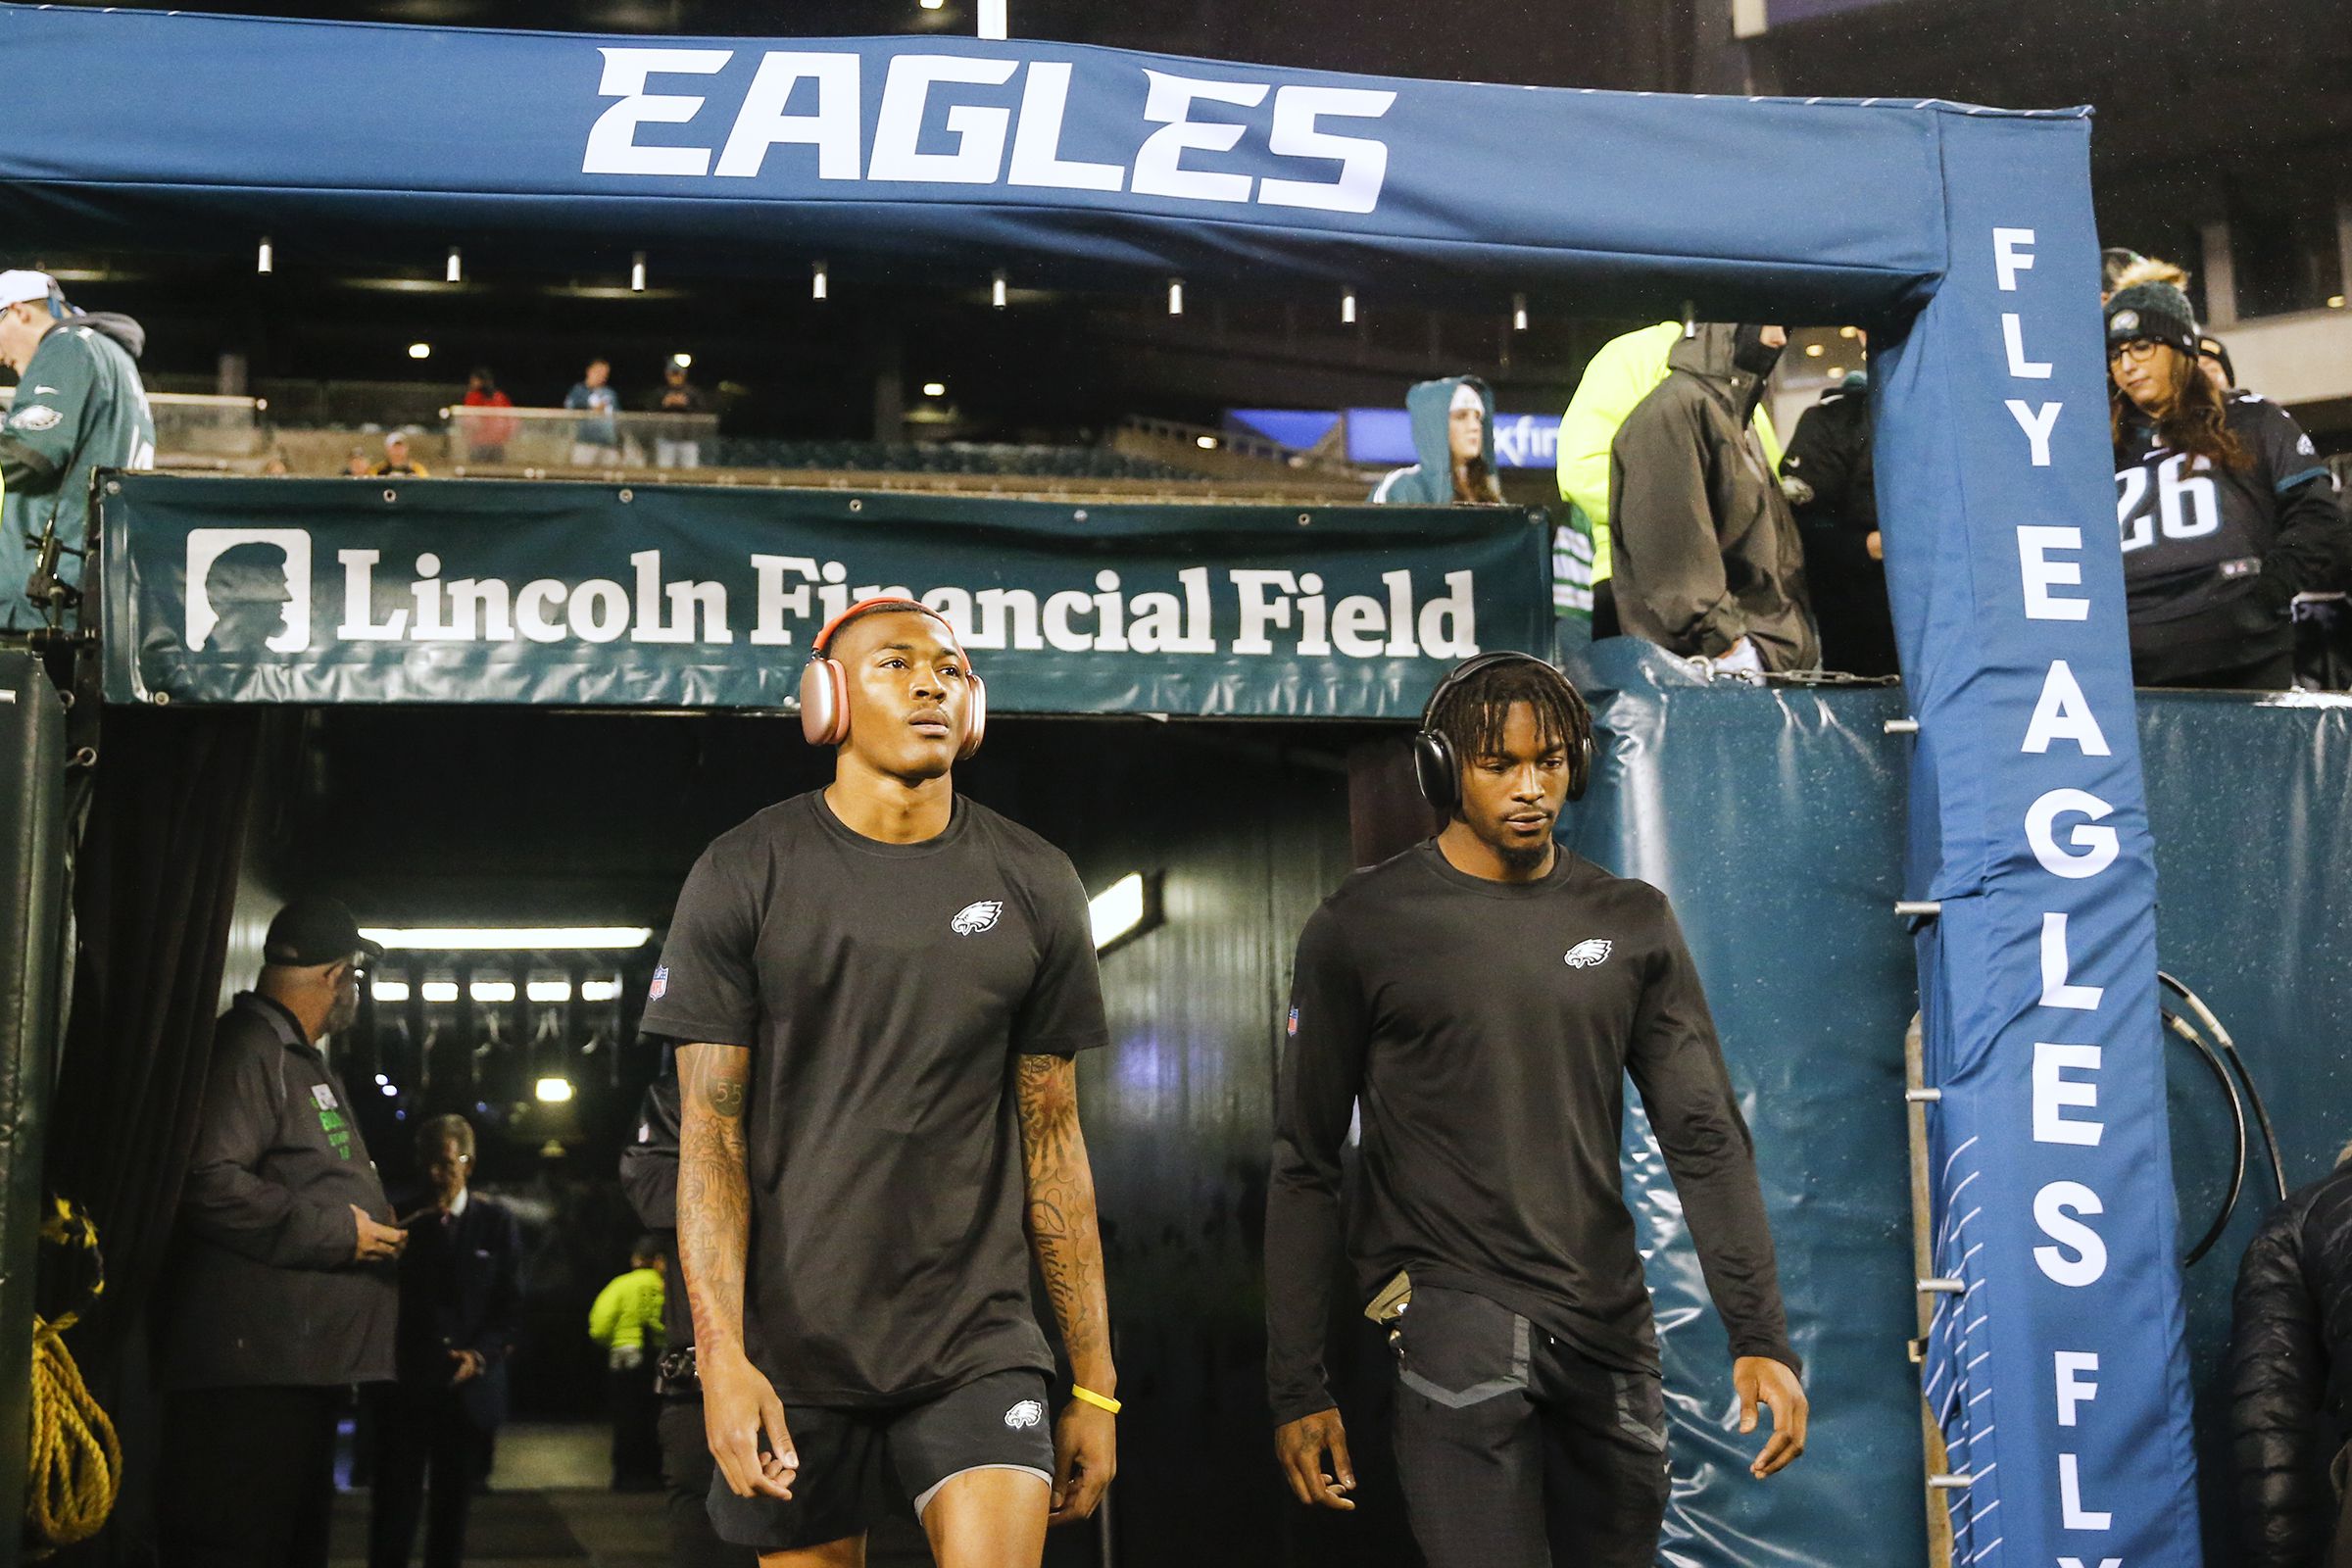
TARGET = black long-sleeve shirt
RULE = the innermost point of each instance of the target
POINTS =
(1487, 1028)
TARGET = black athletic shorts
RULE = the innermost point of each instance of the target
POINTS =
(854, 1460)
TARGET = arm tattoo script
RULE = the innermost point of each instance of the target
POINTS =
(1061, 1212)
(714, 1194)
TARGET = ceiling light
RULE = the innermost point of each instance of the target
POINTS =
(1814, 351)
(263, 261)
(681, 360)
(2335, 302)
(935, 389)
(491, 991)
(1125, 908)
(1175, 296)
(637, 273)
(1518, 313)
(600, 991)
(931, 5)
(542, 938)
(389, 991)
(421, 351)
(457, 267)
(548, 990)
(1347, 308)
(1207, 443)
(1850, 332)
(816, 281)
(1837, 372)
(996, 291)
(440, 990)
(552, 1091)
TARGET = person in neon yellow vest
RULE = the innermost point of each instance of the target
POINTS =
(1626, 370)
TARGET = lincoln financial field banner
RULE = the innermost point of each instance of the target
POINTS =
(449, 591)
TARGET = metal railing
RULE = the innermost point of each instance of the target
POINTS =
(198, 425)
(573, 438)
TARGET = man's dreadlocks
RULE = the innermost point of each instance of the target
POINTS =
(1472, 715)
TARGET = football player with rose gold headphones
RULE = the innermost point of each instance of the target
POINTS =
(879, 990)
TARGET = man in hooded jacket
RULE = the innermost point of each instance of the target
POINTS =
(1707, 561)
(1627, 369)
(1453, 436)
(80, 406)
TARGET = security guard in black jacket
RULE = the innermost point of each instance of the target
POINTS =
(1832, 485)
(282, 1293)
(2290, 1381)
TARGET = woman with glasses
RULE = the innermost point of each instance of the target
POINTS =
(2226, 510)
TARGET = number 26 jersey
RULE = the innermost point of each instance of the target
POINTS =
(2198, 539)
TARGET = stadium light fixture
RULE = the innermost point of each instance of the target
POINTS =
(1347, 306)
(457, 267)
(682, 361)
(1207, 443)
(1849, 333)
(265, 260)
(1518, 313)
(600, 991)
(931, 5)
(389, 991)
(816, 281)
(2335, 302)
(440, 990)
(507, 939)
(548, 990)
(552, 1091)
(1175, 296)
(421, 351)
(491, 990)
(995, 290)
(1837, 372)
(637, 273)
(1127, 908)
(1814, 351)
(935, 389)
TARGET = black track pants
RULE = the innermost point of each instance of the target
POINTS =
(1515, 1451)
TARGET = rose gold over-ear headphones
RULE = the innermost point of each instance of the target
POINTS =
(825, 685)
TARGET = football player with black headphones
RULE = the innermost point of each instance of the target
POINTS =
(1478, 1001)
(879, 990)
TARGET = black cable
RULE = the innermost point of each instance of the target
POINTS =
(2262, 1113)
(2237, 1118)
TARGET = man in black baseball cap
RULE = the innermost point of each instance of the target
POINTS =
(314, 931)
(283, 1293)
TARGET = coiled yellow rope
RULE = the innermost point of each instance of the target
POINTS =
(76, 1463)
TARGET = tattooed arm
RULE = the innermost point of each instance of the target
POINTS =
(715, 1225)
(1069, 1257)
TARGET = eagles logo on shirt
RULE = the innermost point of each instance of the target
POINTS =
(974, 918)
(1588, 954)
(1028, 1412)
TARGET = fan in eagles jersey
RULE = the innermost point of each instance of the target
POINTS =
(2226, 510)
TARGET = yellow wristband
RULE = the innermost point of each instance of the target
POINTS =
(1101, 1402)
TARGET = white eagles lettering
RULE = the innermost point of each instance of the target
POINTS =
(816, 98)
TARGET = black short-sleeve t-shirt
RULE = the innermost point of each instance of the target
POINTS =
(884, 991)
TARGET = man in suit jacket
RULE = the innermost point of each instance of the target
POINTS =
(460, 1298)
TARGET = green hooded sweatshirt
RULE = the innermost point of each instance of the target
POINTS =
(1430, 482)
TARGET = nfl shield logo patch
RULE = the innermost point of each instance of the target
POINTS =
(660, 985)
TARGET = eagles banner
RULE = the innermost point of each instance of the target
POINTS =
(485, 591)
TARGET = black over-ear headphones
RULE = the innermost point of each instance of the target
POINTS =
(1439, 772)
